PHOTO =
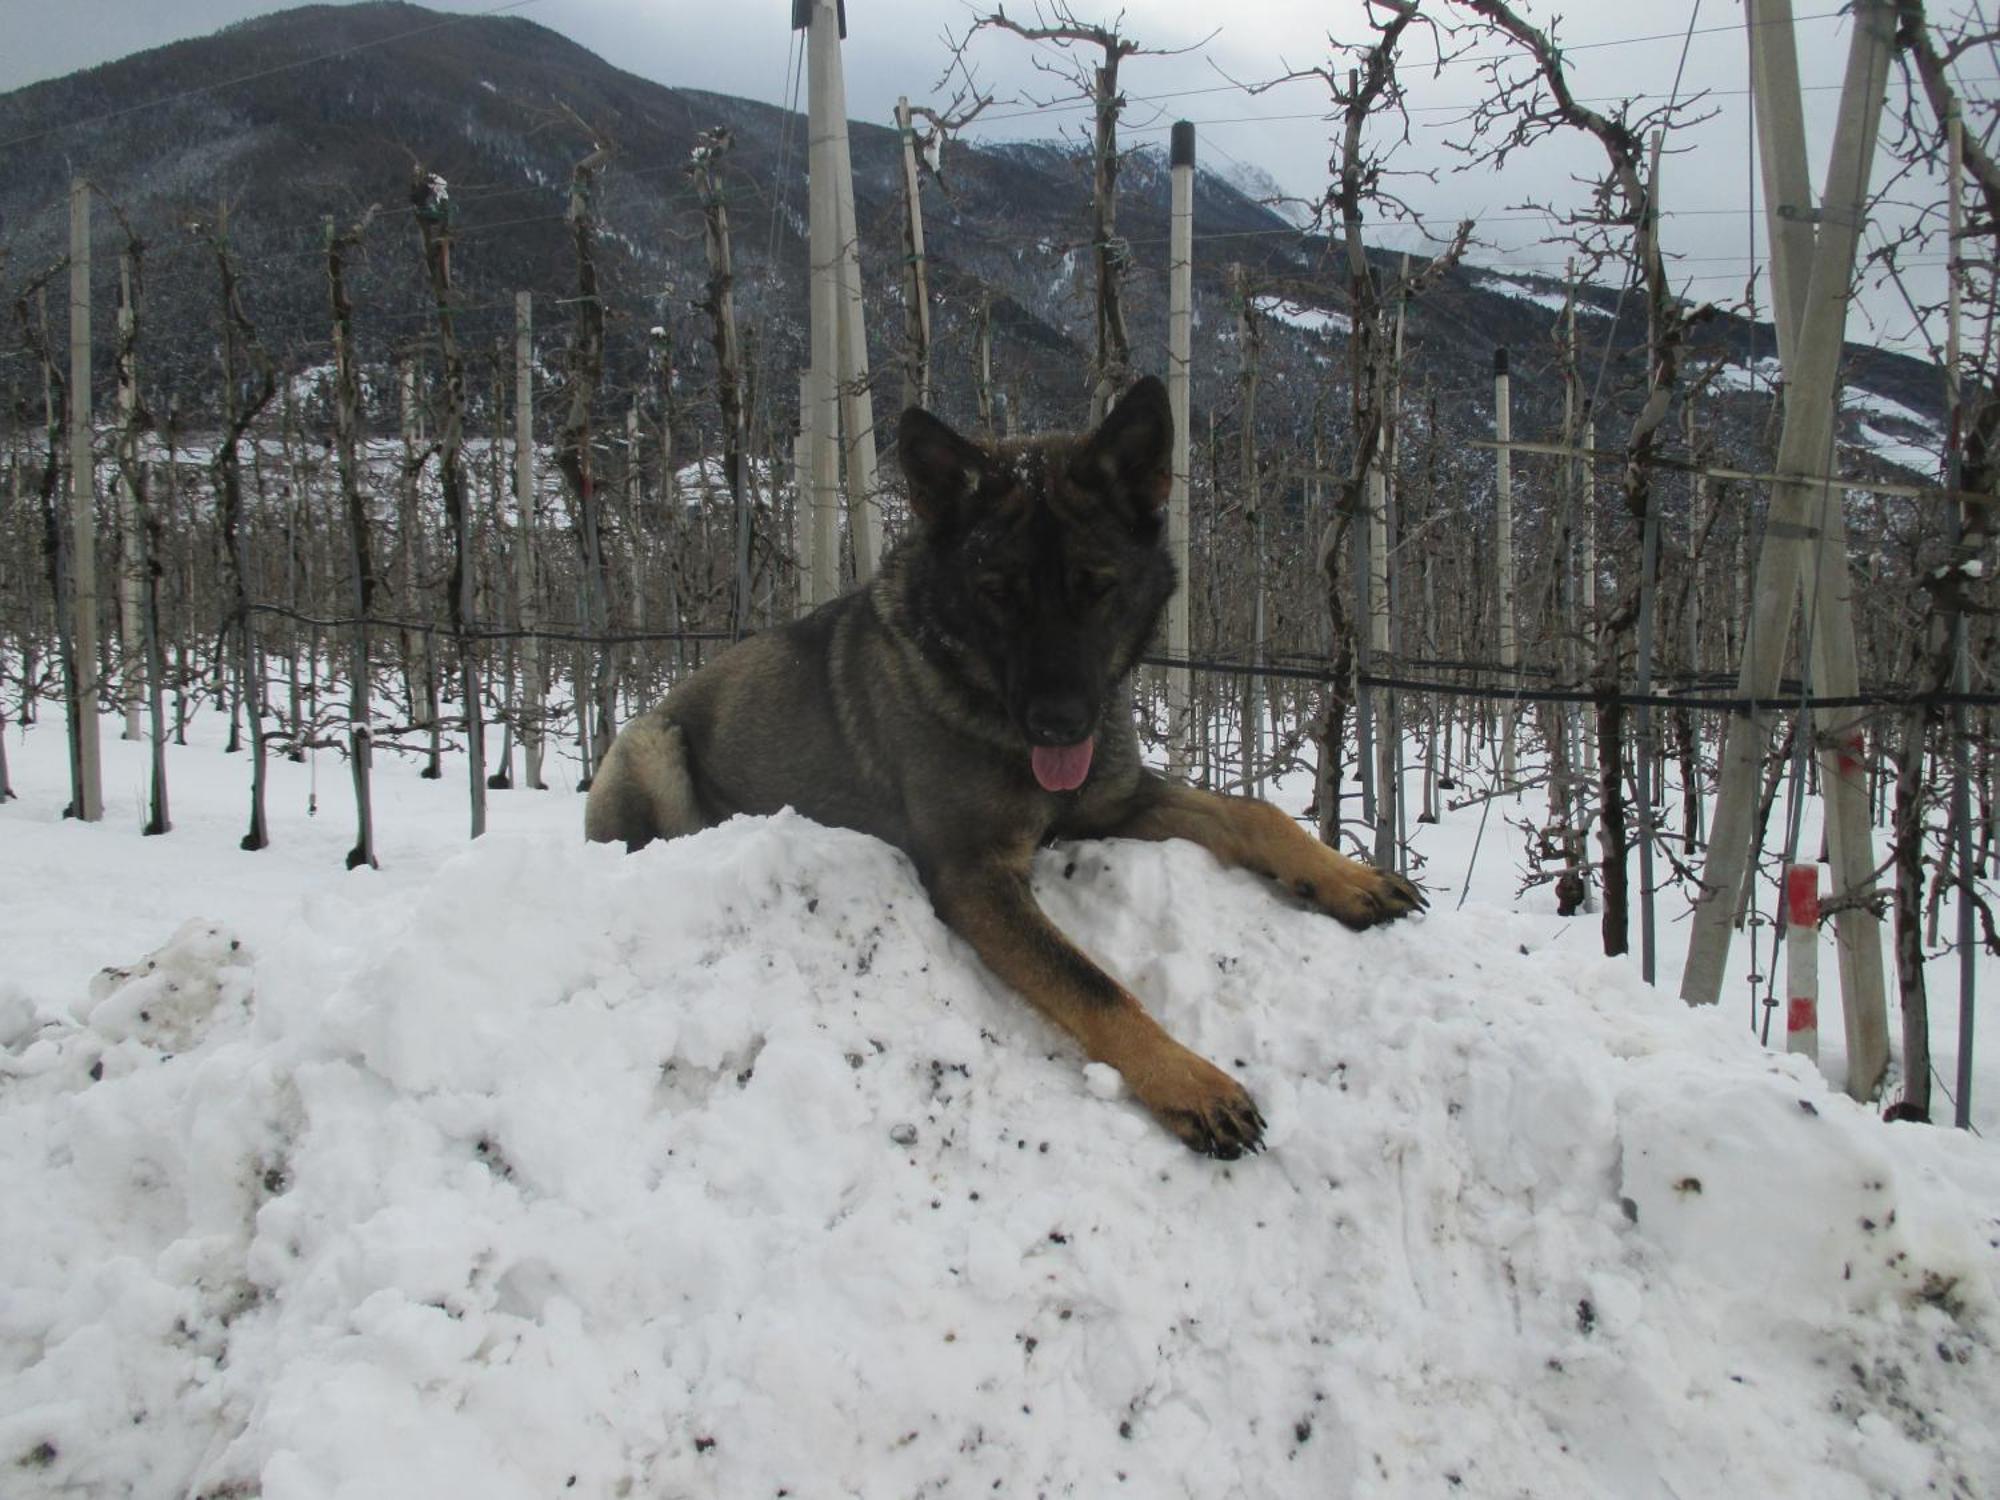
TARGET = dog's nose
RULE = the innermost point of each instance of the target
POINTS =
(1058, 721)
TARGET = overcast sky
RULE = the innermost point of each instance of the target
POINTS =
(1615, 49)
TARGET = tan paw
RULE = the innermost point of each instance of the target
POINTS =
(1362, 896)
(1204, 1106)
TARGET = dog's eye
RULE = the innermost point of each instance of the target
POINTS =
(995, 589)
(1088, 585)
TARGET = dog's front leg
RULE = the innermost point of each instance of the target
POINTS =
(990, 906)
(1247, 834)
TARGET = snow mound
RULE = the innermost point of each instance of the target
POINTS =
(724, 1169)
(171, 997)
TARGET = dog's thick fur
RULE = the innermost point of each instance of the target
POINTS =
(937, 708)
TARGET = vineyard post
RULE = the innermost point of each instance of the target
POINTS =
(857, 400)
(1701, 516)
(1811, 273)
(1574, 561)
(226, 470)
(431, 201)
(1649, 588)
(85, 755)
(983, 379)
(526, 502)
(131, 565)
(916, 290)
(1248, 340)
(1586, 564)
(1180, 345)
(18, 519)
(1384, 534)
(1963, 522)
(719, 302)
(419, 666)
(1503, 539)
(821, 20)
(348, 448)
(595, 683)
(143, 542)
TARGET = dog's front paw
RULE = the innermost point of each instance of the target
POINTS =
(1210, 1111)
(1363, 896)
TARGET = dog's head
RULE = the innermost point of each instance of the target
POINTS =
(1044, 565)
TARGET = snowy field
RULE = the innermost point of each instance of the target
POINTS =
(531, 1169)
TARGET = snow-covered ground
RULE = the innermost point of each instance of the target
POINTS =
(1312, 319)
(1545, 294)
(530, 1168)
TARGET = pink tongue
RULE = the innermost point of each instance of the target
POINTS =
(1061, 768)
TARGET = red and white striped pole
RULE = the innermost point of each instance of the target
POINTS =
(1802, 959)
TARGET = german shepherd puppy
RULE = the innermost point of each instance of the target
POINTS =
(973, 702)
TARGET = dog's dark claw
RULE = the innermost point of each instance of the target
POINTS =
(1230, 1131)
(1387, 897)
(1403, 897)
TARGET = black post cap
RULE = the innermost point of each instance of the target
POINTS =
(1182, 152)
(802, 16)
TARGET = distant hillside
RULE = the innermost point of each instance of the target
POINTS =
(486, 102)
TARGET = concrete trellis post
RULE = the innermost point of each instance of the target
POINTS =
(843, 411)
(1810, 274)
(821, 414)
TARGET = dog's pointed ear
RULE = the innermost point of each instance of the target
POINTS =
(943, 469)
(1131, 453)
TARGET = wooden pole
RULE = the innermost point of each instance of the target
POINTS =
(1587, 590)
(1698, 512)
(1180, 346)
(526, 518)
(1811, 308)
(1649, 581)
(1253, 509)
(801, 533)
(1363, 567)
(434, 232)
(419, 663)
(720, 304)
(239, 335)
(131, 569)
(1110, 367)
(89, 790)
(361, 567)
(1574, 560)
(1961, 738)
(983, 385)
(1382, 525)
(916, 289)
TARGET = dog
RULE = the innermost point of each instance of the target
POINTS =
(971, 703)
